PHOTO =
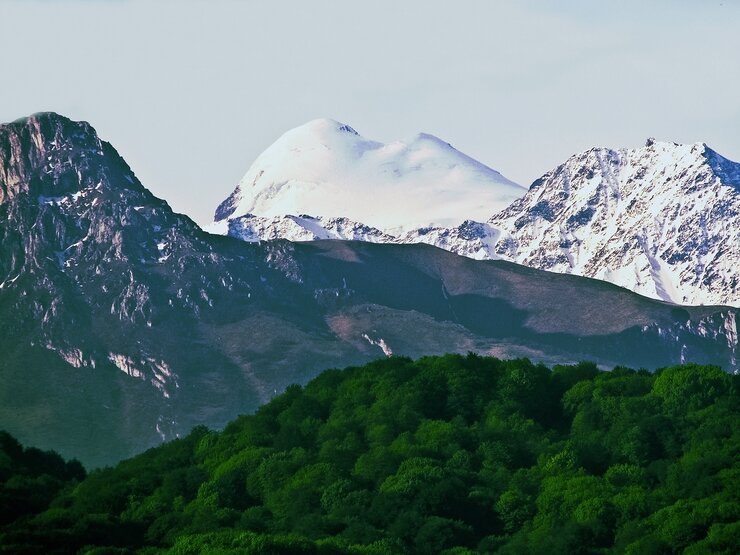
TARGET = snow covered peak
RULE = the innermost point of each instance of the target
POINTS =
(664, 153)
(662, 220)
(326, 169)
(655, 162)
(325, 126)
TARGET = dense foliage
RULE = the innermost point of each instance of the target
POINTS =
(31, 478)
(444, 454)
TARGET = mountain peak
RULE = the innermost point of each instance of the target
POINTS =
(654, 219)
(652, 142)
(47, 154)
(318, 133)
(670, 146)
(428, 137)
(49, 116)
(688, 155)
(44, 128)
(324, 125)
(660, 158)
(324, 168)
(38, 117)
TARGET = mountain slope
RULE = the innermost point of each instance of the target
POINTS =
(125, 324)
(325, 168)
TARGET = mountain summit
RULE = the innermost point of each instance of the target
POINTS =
(662, 220)
(326, 169)
(36, 151)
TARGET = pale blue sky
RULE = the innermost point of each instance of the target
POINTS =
(190, 92)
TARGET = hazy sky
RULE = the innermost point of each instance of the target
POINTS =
(190, 92)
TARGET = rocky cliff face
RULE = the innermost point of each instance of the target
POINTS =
(124, 324)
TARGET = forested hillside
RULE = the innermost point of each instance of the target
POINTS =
(444, 454)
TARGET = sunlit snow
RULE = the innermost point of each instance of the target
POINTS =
(324, 168)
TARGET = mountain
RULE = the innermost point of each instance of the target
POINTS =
(326, 169)
(125, 324)
(662, 220)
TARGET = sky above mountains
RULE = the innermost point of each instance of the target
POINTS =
(191, 92)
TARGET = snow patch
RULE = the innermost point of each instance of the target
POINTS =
(72, 356)
(126, 365)
(379, 343)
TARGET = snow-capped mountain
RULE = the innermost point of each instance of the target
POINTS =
(662, 220)
(326, 169)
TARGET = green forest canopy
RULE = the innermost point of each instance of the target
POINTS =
(446, 454)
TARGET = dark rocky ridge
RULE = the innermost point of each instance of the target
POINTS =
(124, 323)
